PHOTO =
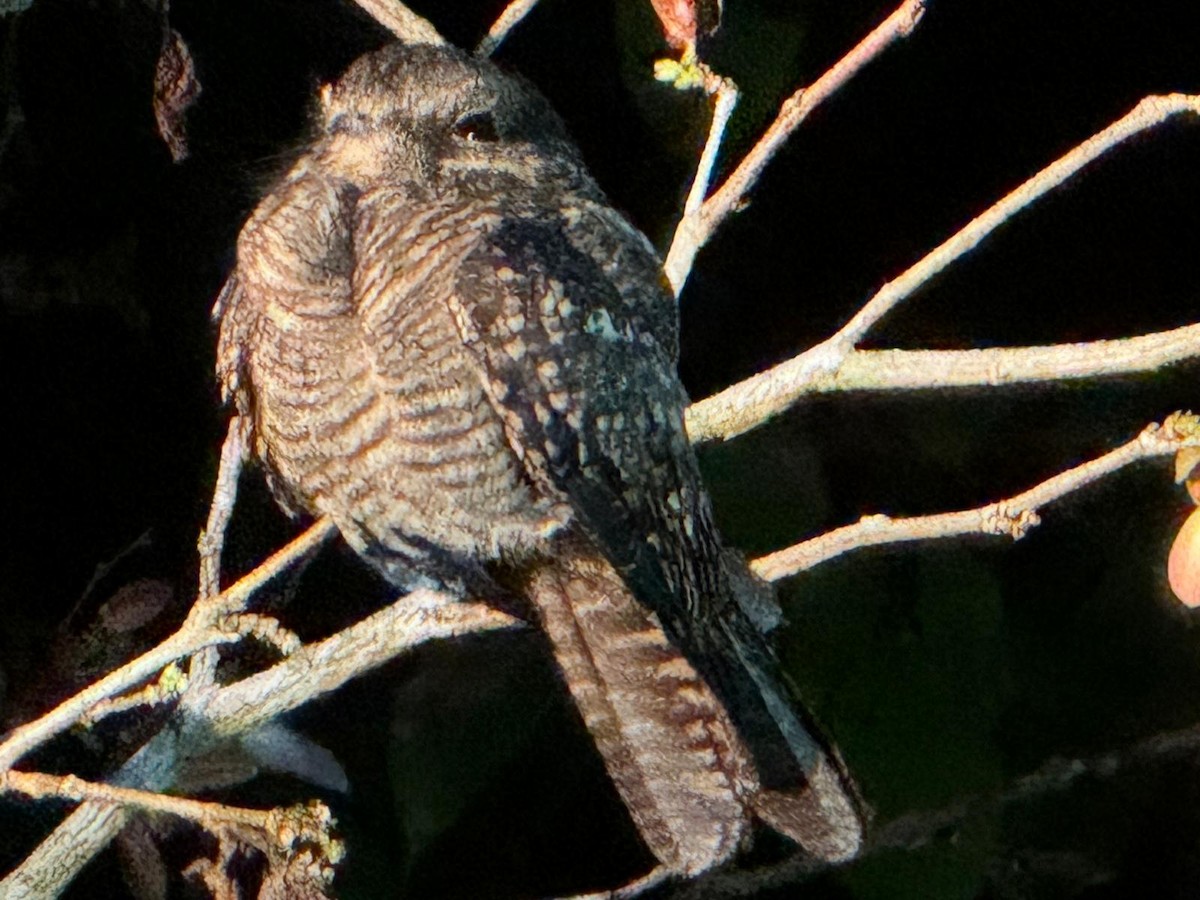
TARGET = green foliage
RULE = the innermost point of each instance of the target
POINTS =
(912, 683)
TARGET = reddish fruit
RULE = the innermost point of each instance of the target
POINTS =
(1183, 565)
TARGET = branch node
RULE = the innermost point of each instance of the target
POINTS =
(264, 629)
(1005, 521)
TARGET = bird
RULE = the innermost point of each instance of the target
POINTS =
(446, 339)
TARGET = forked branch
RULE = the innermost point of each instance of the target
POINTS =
(215, 714)
(829, 365)
(207, 625)
(699, 224)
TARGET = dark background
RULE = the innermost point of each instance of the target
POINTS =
(945, 672)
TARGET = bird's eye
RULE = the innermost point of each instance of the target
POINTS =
(349, 123)
(477, 126)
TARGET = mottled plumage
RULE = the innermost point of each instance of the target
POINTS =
(449, 342)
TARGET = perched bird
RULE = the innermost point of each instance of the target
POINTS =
(447, 340)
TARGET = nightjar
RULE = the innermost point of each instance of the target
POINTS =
(447, 340)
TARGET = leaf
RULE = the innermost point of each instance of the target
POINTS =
(277, 748)
(176, 88)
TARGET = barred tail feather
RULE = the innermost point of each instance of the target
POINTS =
(667, 739)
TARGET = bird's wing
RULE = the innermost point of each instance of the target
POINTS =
(576, 332)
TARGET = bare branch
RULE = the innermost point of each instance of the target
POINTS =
(211, 544)
(749, 403)
(212, 539)
(213, 715)
(1013, 517)
(1150, 112)
(168, 686)
(1054, 775)
(695, 229)
(725, 98)
(56, 861)
(505, 22)
(401, 21)
(203, 628)
(752, 402)
(996, 366)
(41, 786)
(102, 569)
(233, 599)
(319, 668)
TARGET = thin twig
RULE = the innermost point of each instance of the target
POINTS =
(725, 98)
(102, 569)
(505, 22)
(168, 686)
(202, 667)
(401, 21)
(212, 539)
(1150, 112)
(695, 230)
(683, 247)
(1054, 775)
(41, 786)
(1013, 517)
(752, 402)
(233, 599)
(201, 629)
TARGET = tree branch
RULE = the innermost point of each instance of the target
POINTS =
(697, 227)
(213, 715)
(1150, 112)
(204, 627)
(42, 786)
(750, 403)
(401, 21)
(725, 97)
(1013, 517)
(320, 668)
(746, 405)
(212, 539)
(202, 666)
(505, 22)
